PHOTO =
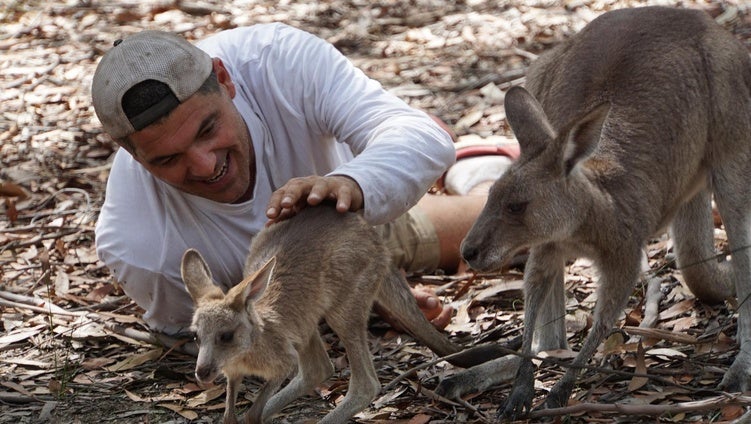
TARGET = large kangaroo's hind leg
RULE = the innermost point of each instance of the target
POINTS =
(733, 198)
(710, 280)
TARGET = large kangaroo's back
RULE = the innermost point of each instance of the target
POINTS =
(671, 77)
(652, 59)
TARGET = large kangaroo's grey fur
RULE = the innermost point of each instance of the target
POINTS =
(321, 264)
(629, 126)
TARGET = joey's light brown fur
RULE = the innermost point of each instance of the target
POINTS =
(321, 264)
(628, 127)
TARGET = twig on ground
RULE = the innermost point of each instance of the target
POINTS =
(18, 398)
(156, 339)
(34, 304)
(652, 306)
(21, 81)
(628, 409)
(483, 417)
(659, 333)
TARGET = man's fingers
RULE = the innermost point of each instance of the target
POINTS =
(444, 318)
(314, 190)
(320, 190)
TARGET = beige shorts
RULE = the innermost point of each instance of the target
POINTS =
(412, 241)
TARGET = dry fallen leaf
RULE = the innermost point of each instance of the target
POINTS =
(136, 360)
(638, 382)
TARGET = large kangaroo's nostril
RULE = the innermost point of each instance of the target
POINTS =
(469, 253)
(203, 373)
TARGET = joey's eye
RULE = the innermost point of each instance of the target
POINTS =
(226, 337)
(196, 339)
(516, 208)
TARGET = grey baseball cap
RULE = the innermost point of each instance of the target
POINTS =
(147, 55)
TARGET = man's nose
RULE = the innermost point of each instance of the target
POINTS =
(201, 161)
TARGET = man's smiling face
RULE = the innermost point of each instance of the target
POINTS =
(203, 147)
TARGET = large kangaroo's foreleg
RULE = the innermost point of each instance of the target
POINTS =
(619, 271)
(544, 326)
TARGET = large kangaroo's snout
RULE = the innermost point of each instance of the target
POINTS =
(469, 252)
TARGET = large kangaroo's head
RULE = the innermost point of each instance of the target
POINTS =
(225, 325)
(538, 199)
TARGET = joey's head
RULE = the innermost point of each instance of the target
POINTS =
(537, 199)
(225, 326)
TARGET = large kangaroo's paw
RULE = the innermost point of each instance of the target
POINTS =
(738, 377)
(560, 393)
(519, 402)
(479, 378)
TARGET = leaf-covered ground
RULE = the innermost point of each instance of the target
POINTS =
(72, 347)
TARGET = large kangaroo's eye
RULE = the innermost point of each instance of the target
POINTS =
(516, 208)
(226, 337)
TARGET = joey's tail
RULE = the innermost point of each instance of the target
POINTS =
(396, 299)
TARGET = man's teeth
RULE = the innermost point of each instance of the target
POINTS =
(220, 175)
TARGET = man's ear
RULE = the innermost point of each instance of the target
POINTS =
(223, 76)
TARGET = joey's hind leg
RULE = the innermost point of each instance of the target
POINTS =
(314, 367)
(733, 197)
(363, 383)
(543, 289)
(255, 413)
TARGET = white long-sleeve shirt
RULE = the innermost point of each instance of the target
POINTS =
(309, 112)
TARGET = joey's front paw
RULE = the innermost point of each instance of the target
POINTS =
(229, 419)
(738, 377)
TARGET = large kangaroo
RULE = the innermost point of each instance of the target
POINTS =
(628, 126)
(321, 264)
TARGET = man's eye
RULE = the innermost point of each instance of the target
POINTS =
(165, 161)
(207, 131)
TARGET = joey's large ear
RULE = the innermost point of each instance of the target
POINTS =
(583, 136)
(197, 277)
(253, 286)
(529, 122)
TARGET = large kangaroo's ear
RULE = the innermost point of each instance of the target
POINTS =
(197, 277)
(528, 121)
(584, 135)
(253, 286)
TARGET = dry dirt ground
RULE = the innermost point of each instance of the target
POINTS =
(72, 348)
